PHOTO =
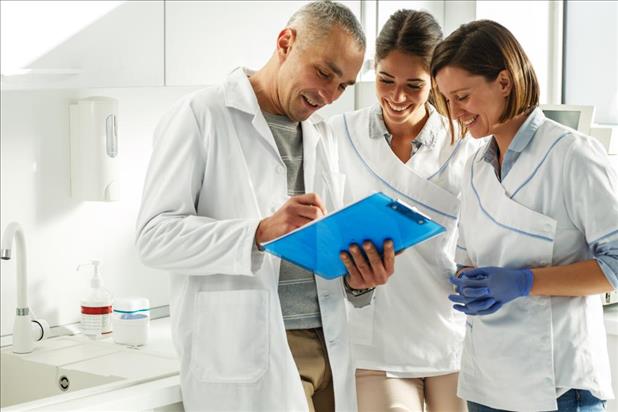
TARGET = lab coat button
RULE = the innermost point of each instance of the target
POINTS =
(279, 169)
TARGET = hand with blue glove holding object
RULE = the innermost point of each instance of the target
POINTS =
(484, 290)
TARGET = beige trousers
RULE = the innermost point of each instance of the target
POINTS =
(309, 352)
(377, 393)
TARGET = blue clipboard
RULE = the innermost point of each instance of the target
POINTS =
(316, 246)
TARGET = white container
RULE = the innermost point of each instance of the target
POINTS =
(131, 321)
(94, 149)
(96, 308)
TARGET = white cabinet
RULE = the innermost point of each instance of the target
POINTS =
(82, 44)
(206, 40)
(85, 44)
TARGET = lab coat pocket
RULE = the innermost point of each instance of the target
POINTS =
(231, 336)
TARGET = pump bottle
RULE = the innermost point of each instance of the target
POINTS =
(96, 308)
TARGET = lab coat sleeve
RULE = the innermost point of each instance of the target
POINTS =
(170, 234)
(606, 255)
(591, 198)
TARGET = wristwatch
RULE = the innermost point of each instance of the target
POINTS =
(352, 291)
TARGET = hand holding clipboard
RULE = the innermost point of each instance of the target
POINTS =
(317, 245)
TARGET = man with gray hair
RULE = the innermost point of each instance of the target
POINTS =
(237, 165)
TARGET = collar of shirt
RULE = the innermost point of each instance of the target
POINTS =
(281, 120)
(426, 138)
(520, 141)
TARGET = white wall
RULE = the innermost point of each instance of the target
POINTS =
(531, 23)
(592, 57)
(60, 231)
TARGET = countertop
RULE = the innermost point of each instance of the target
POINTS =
(154, 385)
(147, 376)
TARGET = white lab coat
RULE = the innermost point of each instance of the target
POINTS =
(559, 197)
(410, 330)
(215, 173)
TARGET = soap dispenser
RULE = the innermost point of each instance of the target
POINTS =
(94, 149)
(96, 308)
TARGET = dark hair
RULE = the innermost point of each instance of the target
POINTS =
(485, 48)
(319, 17)
(411, 32)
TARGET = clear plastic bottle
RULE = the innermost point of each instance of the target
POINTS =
(96, 308)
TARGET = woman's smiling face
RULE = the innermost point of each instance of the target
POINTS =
(402, 87)
(473, 100)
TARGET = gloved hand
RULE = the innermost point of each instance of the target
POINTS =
(477, 287)
(475, 306)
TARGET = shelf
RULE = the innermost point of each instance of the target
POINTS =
(35, 78)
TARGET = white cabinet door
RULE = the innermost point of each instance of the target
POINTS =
(205, 40)
(59, 44)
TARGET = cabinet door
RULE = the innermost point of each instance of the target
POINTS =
(68, 45)
(206, 40)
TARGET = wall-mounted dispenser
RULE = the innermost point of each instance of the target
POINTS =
(94, 149)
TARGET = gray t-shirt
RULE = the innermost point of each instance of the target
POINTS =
(297, 289)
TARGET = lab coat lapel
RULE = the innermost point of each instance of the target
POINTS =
(504, 212)
(380, 159)
(426, 161)
(239, 94)
(530, 161)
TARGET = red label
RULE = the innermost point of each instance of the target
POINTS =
(102, 310)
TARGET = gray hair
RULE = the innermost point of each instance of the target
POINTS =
(318, 18)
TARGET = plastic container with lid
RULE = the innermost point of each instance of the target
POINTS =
(131, 320)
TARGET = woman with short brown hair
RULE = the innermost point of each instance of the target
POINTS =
(538, 235)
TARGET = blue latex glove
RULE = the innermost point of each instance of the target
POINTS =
(475, 306)
(479, 286)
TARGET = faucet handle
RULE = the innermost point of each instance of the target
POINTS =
(40, 329)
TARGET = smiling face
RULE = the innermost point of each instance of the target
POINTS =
(313, 74)
(474, 101)
(402, 88)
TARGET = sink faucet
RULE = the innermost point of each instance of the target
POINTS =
(25, 329)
